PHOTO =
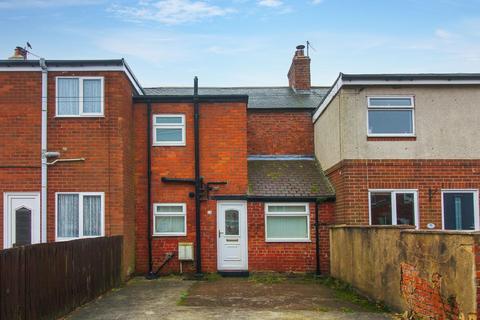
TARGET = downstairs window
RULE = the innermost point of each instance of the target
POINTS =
(393, 207)
(289, 222)
(79, 215)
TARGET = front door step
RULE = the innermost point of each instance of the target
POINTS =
(238, 274)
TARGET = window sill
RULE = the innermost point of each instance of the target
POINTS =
(391, 138)
(168, 145)
(161, 235)
(287, 240)
(81, 116)
(76, 238)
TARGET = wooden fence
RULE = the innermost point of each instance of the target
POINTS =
(48, 280)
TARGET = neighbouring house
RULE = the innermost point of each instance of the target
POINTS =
(230, 179)
(402, 149)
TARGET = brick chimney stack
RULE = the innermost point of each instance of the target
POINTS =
(19, 54)
(299, 73)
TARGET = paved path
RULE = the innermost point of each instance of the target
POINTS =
(169, 298)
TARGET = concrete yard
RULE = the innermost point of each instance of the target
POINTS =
(257, 297)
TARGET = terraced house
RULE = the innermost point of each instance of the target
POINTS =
(230, 179)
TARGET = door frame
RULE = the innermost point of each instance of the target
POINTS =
(7, 217)
(219, 246)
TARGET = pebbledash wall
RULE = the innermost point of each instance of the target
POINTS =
(106, 142)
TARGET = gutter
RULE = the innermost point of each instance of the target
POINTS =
(44, 151)
(190, 99)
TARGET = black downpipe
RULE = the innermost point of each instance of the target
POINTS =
(198, 179)
(151, 274)
(317, 241)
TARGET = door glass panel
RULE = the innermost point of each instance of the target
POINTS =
(232, 224)
(23, 227)
(458, 211)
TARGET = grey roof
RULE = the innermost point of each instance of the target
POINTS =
(258, 97)
(287, 178)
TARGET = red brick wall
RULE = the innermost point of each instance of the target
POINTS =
(280, 132)
(353, 178)
(20, 105)
(223, 157)
(105, 142)
(424, 295)
(287, 256)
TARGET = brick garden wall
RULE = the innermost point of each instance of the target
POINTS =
(280, 132)
(353, 178)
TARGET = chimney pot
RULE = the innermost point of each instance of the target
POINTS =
(19, 54)
(299, 73)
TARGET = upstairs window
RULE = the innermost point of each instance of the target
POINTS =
(391, 116)
(169, 130)
(393, 207)
(79, 96)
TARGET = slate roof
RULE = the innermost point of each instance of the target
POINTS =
(258, 97)
(287, 178)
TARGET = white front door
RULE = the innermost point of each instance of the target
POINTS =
(21, 219)
(232, 236)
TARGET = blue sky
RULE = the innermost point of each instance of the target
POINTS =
(249, 42)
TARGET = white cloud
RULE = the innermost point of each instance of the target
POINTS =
(15, 4)
(170, 11)
(316, 1)
(443, 34)
(270, 3)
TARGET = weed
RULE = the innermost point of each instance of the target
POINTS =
(183, 298)
(346, 292)
(213, 276)
(267, 278)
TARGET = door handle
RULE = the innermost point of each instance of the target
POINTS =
(219, 233)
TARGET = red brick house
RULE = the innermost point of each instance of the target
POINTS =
(217, 179)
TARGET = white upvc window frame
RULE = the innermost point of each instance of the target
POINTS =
(287, 214)
(475, 208)
(393, 200)
(182, 126)
(80, 213)
(386, 108)
(176, 214)
(81, 114)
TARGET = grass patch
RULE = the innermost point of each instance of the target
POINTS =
(346, 292)
(267, 278)
(213, 276)
(183, 298)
